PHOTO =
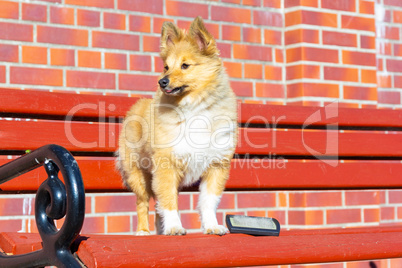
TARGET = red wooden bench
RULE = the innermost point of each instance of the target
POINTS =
(320, 148)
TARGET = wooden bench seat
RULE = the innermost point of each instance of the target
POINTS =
(280, 148)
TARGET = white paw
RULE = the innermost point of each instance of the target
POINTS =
(175, 230)
(142, 233)
(215, 229)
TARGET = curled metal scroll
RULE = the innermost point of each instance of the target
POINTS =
(54, 200)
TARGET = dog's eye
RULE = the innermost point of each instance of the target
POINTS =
(166, 67)
(185, 66)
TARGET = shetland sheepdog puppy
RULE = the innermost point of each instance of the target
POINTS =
(187, 133)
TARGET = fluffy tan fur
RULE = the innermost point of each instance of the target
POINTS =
(153, 155)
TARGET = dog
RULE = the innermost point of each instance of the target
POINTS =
(187, 133)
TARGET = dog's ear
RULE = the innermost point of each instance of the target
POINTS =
(204, 40)
(170, 34)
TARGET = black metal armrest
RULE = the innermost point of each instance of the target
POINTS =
(54, 200)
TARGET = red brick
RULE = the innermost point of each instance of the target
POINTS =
(36, 76)
(302, 71)
(371, 215)
(90, 80)
(268, 18)
(360, 93)
(312, 90)
(252, 52)
(367, 42)
(312, 18)
(64, 36)
(387, 213)
(353, 198)
(158, 64)
(243, 89)
(62, 15)
(359, 58)
(35, 55)
(137, 82)
(315, 199)
(257, 213)
(339, 39)
(271, 3)
(118, 224)
(293, 3)
(93, 225)
(11, 206)
(184, 202)
(340, 216)
(273, 73)
(9, 10)
(394, 65)
(395, 196)
(277, 214)
(231, 32)
(115, 40)
(92, 3)
(227, 201)
(234, 69)
(140, 24)
(320, 54)
(301, 36)
(384, 80)
(397, 15)
(190, 220)
(230, 14)
(255, 3)
(231, 1)
(158, 22)
(151, 43)
(114, 21)
(115, 203)
(64, 57)
(366, 7)
(398, 50)
(9, 53)
(308, 217)
(341, 74)
(358, 23)
(389, 97)
(16, 31)
(11, 225)
(251, 35)
(90, 59)
(387, 32)
(115, 61)
(34, 12)
(225, 49)
(140, 63)
(184, 9)
(253, 71)
(368, 76)
(272, 37)
(2, 74)
(256, 200)
(345, 5)
(88, 18)
(266, 90)
(149, 6)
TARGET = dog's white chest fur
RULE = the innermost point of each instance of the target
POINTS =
(204, 138)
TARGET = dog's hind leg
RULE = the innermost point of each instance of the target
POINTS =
(140, 183)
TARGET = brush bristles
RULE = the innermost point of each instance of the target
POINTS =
(252, 222)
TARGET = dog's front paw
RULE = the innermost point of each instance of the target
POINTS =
(142, 233)
(215, 229)
(175, 230)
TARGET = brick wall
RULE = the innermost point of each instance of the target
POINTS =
(292, 52)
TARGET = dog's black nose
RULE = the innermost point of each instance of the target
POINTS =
(164, 82)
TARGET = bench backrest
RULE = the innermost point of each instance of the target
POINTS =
(280, 147)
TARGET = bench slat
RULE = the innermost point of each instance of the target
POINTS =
(197, 250)
(238, 250)
(91, 105)
(99, 174)
(103, 137)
